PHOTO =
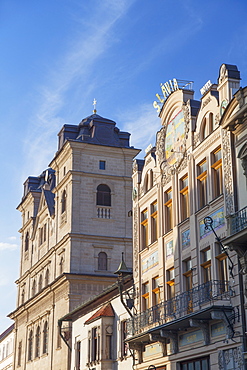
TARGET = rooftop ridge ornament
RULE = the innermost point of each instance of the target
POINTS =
(94, 105)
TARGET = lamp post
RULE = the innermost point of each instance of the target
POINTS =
(208, 222)
(123, 271)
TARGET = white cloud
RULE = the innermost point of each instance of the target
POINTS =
(12, 238)
(75, 65)
(8, 246)
(142, 122)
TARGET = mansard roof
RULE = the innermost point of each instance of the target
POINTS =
(44, 182)
(50, 201)
(94, 129)
(231, 71)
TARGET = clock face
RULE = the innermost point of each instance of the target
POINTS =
(223, 106)
(175, 139)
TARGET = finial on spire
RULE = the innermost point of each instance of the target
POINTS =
(94, 105)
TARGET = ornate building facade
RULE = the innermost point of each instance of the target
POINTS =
(188, 283)
(75, 226)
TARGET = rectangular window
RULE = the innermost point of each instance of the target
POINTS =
(144, 228)
(154, 224)
(197, 364)
(108, 347)
(184, 198)
(44, 232)
(188, 276)
(170, 283)
(89, 347)
(222, 270)
(102, 165)
(217, 173)
(19, 353)
(78, 355)
(168, 210)
(124, 347)
(94, 344)
(206, 265)
(145, 296)
(155, 291)
(202, 183)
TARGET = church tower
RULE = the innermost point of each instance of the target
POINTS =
(75, 226)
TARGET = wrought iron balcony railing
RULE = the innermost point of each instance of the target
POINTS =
(238, 221)
(179, 306)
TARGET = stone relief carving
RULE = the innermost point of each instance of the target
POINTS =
(196, 139)
(206, 102)
(217, 119)
(228, 175)
(187, 115)
(231, 357)
(244, 165)
(148, 160)
(135, 167)
(160, 145)
(223, 74)
(166, 174)
(183, 164)
(135, 242)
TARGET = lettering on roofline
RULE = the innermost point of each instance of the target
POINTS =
(206, 87)
(168, 88)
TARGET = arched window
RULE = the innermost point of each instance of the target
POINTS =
(45, 338)
(204, 128)
(211, 122)
(242, 155)
(40, 282)
(26, 241)
(145, 184)
(103, 195)
(102, 261)
(151, 179)
(37, 342)
(47, 277)
(34, 288)
(63, 201)
(30, 346)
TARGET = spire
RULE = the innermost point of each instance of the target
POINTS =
(94, 105)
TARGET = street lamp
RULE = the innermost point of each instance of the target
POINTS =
(208, 222)
(122, 272)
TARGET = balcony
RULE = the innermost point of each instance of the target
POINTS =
(238, 221)
(198, 302)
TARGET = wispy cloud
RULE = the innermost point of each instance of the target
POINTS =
(8, 246)
(75, 65)
(12, 238)
(142, 122)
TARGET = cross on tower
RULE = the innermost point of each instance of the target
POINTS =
(94, 105)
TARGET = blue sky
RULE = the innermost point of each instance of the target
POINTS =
(58, 55)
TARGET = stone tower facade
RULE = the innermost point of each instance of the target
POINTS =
(75, 226)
